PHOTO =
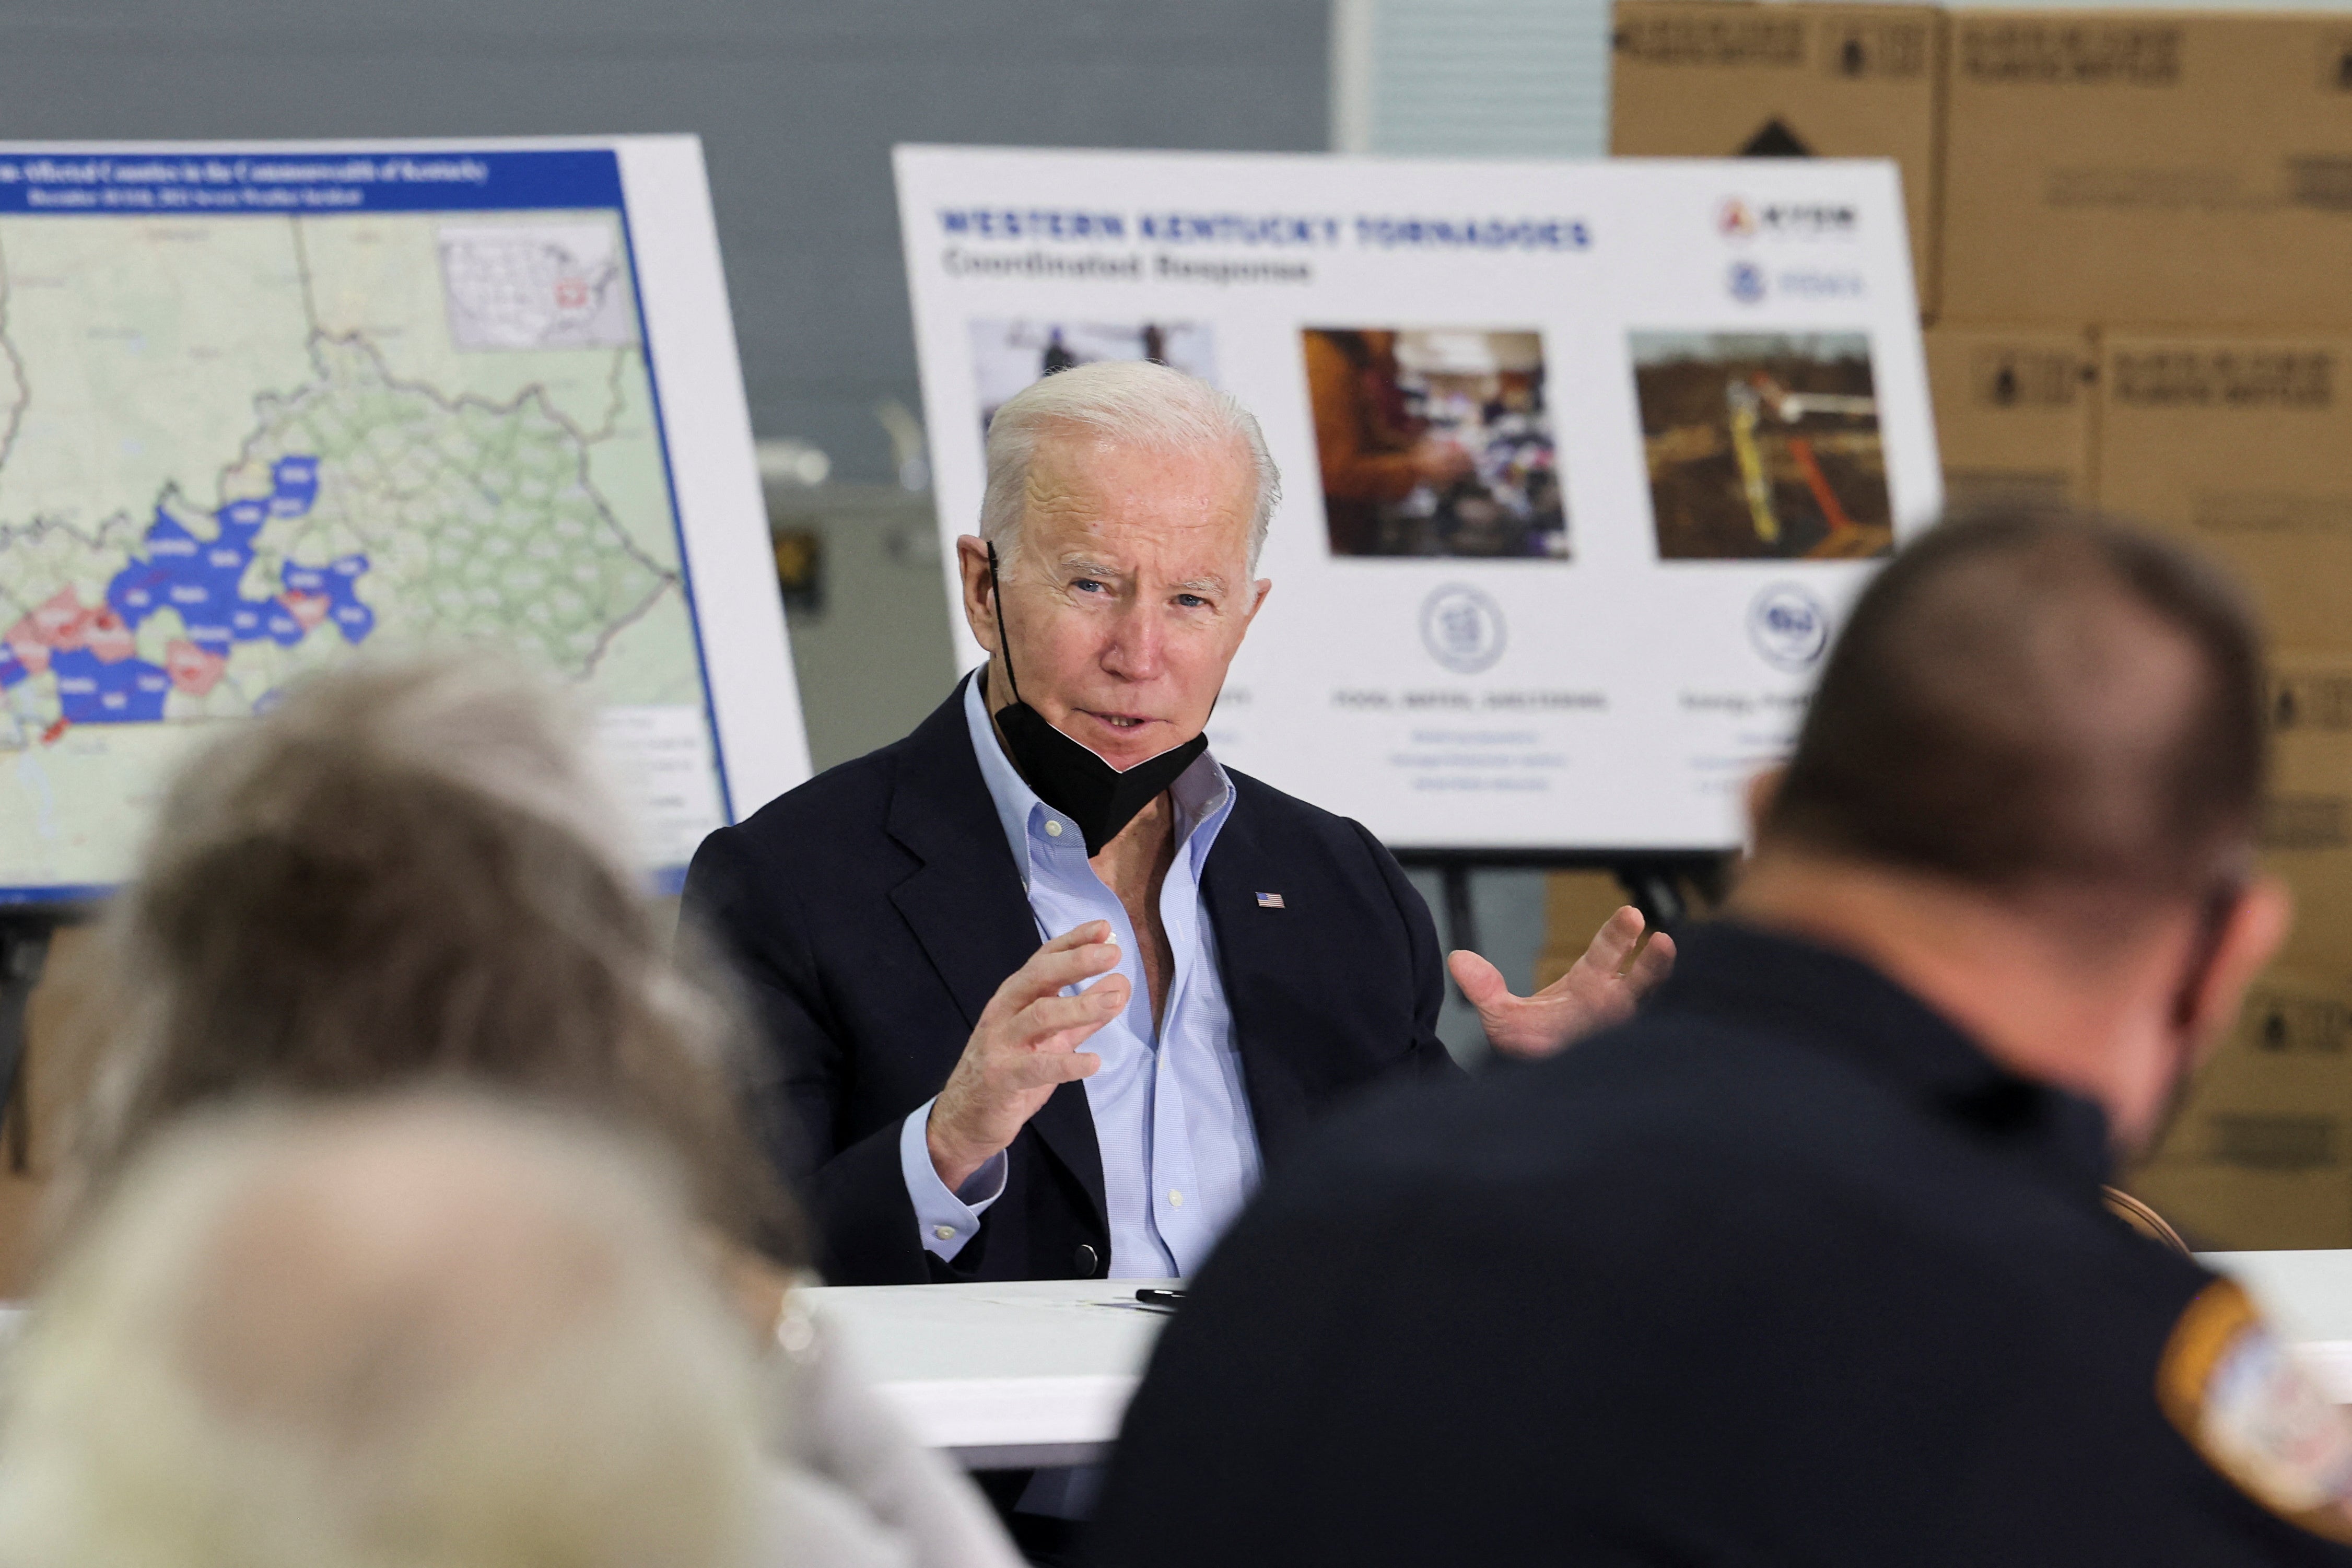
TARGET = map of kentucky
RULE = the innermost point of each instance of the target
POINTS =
(237, 450)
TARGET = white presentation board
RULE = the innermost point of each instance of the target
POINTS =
(1581, 462)
(264, 408)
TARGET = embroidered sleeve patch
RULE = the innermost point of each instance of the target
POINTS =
(2239, 1396)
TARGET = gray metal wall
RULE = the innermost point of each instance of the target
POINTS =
(797, 102)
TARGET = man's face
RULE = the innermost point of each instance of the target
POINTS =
(1130, 595)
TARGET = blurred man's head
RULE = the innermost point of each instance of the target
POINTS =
(2038, 746)
(410, 873)
(433, 1331)
(1126, 503)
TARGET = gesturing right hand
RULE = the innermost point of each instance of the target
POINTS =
(1026, 1045)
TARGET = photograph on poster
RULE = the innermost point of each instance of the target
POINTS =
(1763, 444)
(1008, 355)
(1435, 442)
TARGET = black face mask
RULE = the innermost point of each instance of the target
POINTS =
(1097, 797)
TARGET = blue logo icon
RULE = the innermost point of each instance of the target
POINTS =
(1461, 628)
(1747, 282)
(1788, 626)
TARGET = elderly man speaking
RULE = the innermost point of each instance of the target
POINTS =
(1044, 985)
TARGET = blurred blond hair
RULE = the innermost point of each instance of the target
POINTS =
(432, 1333)
(410, 873)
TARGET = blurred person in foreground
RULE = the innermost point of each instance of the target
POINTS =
(428, 1331)
(1808, 1262)
(409, 875)
(1247, 961)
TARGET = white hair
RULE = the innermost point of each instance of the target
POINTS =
(1130, 402)
(424, 1334)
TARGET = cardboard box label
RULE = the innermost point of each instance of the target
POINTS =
(2286, 1021)
(1681, 39)
(2271, 1143)
(2224, 378)
(2314, 181)
(1875, 47)
(1858, 47)
(2084, 53)
(2010, 375)
(2270, 512)
(2318, 701)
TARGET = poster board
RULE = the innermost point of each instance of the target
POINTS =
(1581, 462)
(264, 408)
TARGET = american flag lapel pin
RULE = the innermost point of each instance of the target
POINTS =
(1270, 902)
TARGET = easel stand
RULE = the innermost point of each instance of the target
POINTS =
(1664, 885)
(23, 948)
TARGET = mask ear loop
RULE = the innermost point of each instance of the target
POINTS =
(1003, 643)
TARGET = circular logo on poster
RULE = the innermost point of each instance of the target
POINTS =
(1736, 218)
(1745, 282)
(1788, 626)
(1461, 628)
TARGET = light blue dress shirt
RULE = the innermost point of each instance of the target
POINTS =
(1171, 1116)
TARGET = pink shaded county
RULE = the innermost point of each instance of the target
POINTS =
(309, 609)
(194, 670)
(58, 623)
(107, 639)
(30, 651)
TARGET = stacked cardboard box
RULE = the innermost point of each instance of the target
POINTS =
(2182, 184)
(2241, 444)
(2135, 268)
(2016, 412)
(1723, 79)
(2260, 1156)
(2154, 168)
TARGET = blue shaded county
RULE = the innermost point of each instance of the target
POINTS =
(91, 691)
(199, 580)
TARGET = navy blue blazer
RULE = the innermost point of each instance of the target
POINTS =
(872, 912)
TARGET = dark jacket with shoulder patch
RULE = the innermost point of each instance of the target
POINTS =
(1786, 1270)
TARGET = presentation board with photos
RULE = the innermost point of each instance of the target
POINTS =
(1581, 462)
(266, 409)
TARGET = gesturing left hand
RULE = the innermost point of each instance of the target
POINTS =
(1598, 990)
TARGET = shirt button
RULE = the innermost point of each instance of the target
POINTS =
(944, 1232)
(1052, 828)
(1175, 1199)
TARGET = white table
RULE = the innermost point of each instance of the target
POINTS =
(1007, 1376)
(1003, 1376)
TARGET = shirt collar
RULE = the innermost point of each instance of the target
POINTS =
(1780, 980)
(1203, 793)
